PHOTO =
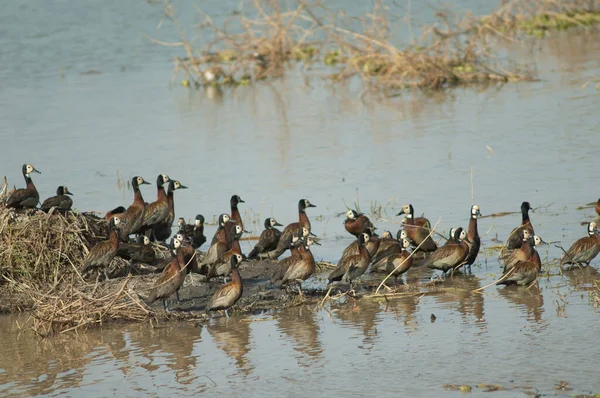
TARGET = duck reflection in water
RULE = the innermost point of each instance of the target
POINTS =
(530, 300)
(362, 316)
(459, 293)
(300, 326)
(233, 338)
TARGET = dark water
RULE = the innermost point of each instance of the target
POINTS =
(274, 144)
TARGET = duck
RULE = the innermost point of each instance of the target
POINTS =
(171, 279)
(298, 267)
(397, 263)
(388, 246)
(227, 295)
(473, 236)
(134, 215)
(103, 252)
(162, 231)
(516, 236)
(221, 234)
(235, 213)
(356, 223)
(157, 211)
(451, 255)
(523, 253)
(522, 274)
(28, 197)
(190, 257)
(140, 252)
(535, 257)
(195, 231)
(584, 250)
(61, 202)
(373, 243)
(117, 210)
(293, 229)
(420, 234)
(219, 246)
(222, 267)
(352, 266)
(269, 238)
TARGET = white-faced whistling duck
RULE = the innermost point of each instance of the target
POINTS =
(298, 267)
(134, 215)
(227, 295)
(584, 250)
(451, 255)
(293, 229)
(397, 263)
(292, 240)
(357, 223)
(522, 274)
(523, 253)
(195, 231)
(219, 246)
(473, 236)
(373, 243)
(114, 212)
(387, 246)
(222, 267)
(352, 266)
(190, 256)
(140, 252)
(28, 197)
(418, 233)
(535, 257)
(269, 238)
(516, 236)
(171, 279)
(157, 211)
(235, 213)
(60, 202)
(353, 248)
(102, 254)
(162, 231)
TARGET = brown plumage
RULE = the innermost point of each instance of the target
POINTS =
(352, 266)
(516, 236)
(597, 207)
(451, 255)
(236, 217)
(523, 253)
(584, 250)
(396, 263)
(473, 236)
(227, 295)
(293, 229)
(140, 252)
(134, 215)
(269, 238)
(387, 246)
(222, 267)
(522, 274)
(195, 231)
(28, 197)
(357, 223)
(102, 254)
(298, 267)
(219, 247)
(190, 256)
(61, 202)
(157, 211)
(162, 231)
(171, 279)
(418, 234)
(221, 234)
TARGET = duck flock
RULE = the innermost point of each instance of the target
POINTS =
(386, 254)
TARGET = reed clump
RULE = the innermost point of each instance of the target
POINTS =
(263, 40)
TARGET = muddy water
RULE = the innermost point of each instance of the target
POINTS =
(275, 144)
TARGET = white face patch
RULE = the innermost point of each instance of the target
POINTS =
(350, 214)
(165, 178)
(238, 230)
(146, 240)
(226, 218)
(305, 232)
(463, 234)
(366, 237)
(140, 180)
(117, 220)
(198, 223)
(405, 243)
(403, 235)
(180, 222)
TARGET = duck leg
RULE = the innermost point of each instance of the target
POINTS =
(226, 315)
(177, 295)
(166, 307)
(106, 274)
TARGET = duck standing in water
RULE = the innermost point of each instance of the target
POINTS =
(227, 295)
(269, 238)
(584, 250)
(353, 265)
(473, 236)
(28, 197)
(451, 255)
(171, 279)
(516, 236)
(61, 202)
(134, 215)
(397, 263)
(420, 234)
(102, 254)
(357, 223)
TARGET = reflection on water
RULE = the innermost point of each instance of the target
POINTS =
(529, 301)
(299, 326)
(233, 338)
